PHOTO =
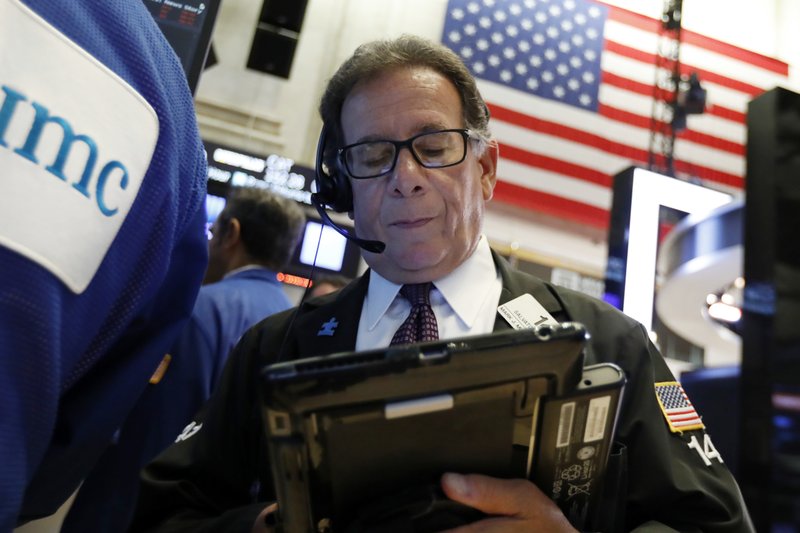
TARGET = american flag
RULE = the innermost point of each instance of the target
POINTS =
(677, 408)
(569, 84)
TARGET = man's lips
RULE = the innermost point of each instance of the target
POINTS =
(411, 223)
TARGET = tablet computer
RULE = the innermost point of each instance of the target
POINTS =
(348, 429)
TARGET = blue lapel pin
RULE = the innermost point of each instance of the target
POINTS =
(328, 328)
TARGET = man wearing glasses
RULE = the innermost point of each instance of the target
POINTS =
(414, 165)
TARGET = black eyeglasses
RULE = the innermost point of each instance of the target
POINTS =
(433, 149)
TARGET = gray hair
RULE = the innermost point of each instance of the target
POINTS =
(372, 59)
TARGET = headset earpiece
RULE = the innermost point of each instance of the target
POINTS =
(333, 187)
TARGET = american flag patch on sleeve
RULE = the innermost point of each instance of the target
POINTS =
(677, 409)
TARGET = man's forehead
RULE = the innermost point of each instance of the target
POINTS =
(400, 102)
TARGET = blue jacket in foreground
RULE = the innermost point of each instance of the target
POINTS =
(99, 269)
(222, 313)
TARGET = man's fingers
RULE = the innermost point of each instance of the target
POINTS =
(493, 496)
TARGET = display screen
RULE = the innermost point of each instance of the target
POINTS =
(214, 206)
(323, 246)
(187, 25)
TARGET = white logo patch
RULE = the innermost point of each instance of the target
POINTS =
(75, 143)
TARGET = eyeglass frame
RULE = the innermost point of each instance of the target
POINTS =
(466, 135)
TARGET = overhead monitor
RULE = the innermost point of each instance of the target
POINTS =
(187, 25)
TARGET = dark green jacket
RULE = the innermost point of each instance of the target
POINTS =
(216, 479)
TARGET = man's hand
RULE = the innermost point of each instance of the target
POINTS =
(266, 519)
(516, 504)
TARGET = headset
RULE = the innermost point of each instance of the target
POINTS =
(333, 190)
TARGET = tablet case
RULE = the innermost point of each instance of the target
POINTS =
(352, 428)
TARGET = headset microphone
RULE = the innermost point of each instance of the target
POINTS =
(333, 190)
(375, 247)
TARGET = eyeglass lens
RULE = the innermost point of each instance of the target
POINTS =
(431, 150)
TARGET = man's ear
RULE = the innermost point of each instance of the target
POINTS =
(488, 164)
(233, 233)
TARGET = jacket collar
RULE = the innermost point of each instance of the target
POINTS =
(516, 284)
(329, 324)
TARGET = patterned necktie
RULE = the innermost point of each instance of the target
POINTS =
(421, 322)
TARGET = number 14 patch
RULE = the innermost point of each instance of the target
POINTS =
(681, 416)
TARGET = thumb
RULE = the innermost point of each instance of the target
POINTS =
(494, 496)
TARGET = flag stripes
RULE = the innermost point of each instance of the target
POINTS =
(559, 157)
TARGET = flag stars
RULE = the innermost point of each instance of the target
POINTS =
(546, 47)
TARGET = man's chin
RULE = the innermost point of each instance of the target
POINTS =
(408, 268)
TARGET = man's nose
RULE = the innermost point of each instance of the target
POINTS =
(408, 175)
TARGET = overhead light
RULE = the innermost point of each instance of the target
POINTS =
(724, 312)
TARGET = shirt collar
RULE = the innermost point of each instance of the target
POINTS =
(477, 272)
(251, 266)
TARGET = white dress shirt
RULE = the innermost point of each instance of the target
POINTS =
(464, 302)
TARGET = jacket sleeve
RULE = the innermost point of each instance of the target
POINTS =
(675, 481)
(208, 480)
